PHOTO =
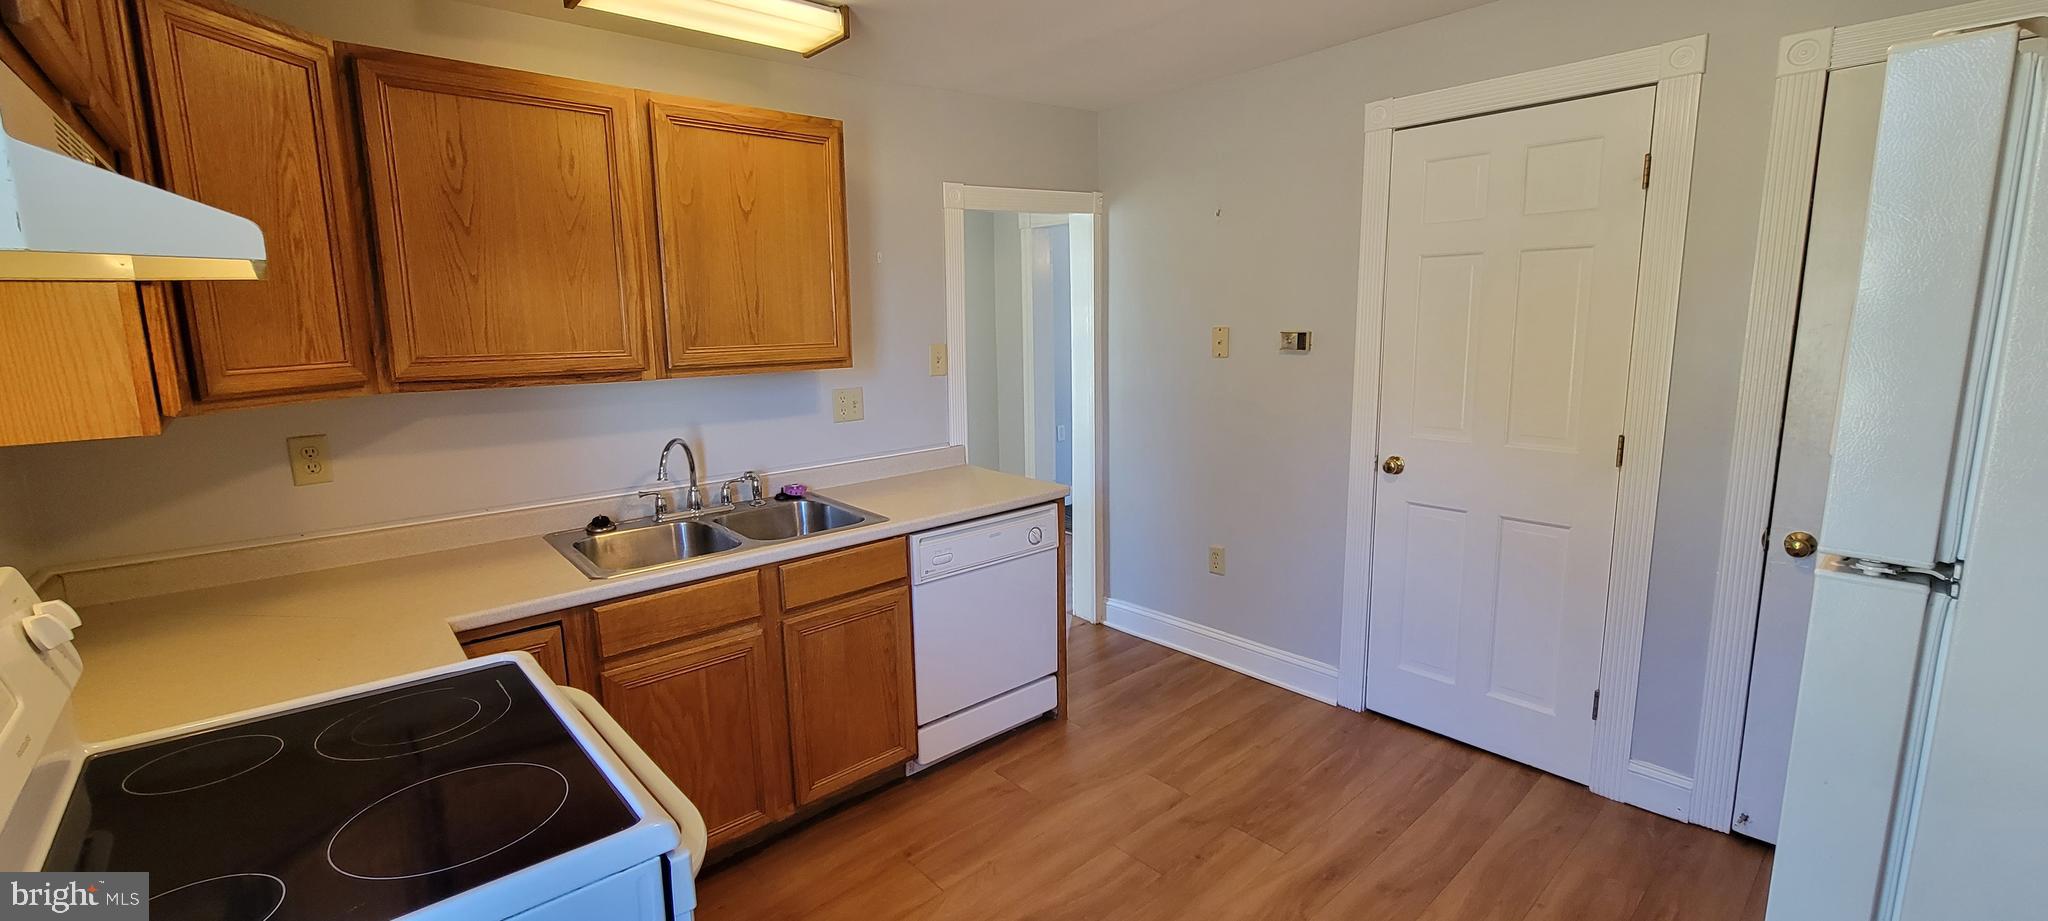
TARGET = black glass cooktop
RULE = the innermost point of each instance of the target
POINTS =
(363, 808)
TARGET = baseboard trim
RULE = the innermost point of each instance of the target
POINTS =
(1657, 789)
(1278, 667)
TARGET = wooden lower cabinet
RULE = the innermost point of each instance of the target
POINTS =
(709, 712)
(546, 644)
(852, 705)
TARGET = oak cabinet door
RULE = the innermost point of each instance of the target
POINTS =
(74, 363)
(710, 715)
(752, 211)
(852, 708)
(514, 226)
(248, 118)
(82, 47)
(547, 644)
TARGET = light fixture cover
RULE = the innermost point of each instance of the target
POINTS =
(792, 25)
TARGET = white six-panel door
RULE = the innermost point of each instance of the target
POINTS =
(1513, 247)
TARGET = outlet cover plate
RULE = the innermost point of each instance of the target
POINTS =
(1216, 560)
(846, 405)
(1219, 341)
(309, 460)
(939, 360)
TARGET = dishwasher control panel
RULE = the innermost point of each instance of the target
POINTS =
(937, 554)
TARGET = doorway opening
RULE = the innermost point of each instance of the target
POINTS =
(1023, 339)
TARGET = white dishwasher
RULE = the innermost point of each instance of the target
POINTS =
(984, 606)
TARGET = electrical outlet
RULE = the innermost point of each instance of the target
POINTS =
(939, 360)
(1219, 341)
(846, 405)
(1216, 560)
(308, 456)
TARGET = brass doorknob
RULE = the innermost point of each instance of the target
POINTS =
(1394, 464)
(1800, 544)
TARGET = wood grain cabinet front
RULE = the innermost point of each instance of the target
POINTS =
(547, 644)
(514, 223)
(248, 119)
(710, 714)
(852, 703)
(752, 215)
(81, 47)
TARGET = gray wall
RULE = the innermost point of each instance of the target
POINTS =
(1236, 203)
(223, 478)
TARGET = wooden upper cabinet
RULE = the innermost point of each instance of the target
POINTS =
(752, 210)
(82, 47)
(248, 117)
(73, 363)
(514, 229)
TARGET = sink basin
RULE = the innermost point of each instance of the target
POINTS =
(642, 545)
(785, 520)
(634, 548)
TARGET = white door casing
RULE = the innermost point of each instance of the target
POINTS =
(1511, 284)
(1834, 255)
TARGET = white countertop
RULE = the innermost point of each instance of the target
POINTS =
(173, 659)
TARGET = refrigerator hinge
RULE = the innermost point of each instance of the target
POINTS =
(1646, 172)
(1620, 449)
(1596, 703)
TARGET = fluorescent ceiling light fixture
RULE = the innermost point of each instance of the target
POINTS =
(792, 25)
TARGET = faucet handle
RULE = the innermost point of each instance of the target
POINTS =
(753, 486)
(661, 501)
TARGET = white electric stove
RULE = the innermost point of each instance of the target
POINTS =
(479, 790)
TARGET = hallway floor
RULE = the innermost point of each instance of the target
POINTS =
(1180, 789)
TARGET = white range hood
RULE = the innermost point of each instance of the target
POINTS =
(65, 220)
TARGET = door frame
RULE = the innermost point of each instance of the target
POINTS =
(1805, 61)
(1674, 68)
(1090, 553)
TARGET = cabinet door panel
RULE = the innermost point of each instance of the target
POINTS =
(249, 121)
(710, 715)
(73, 363)
(548, 645)
(851, 692)
(81, 47)
(513, 223)
(752, 210)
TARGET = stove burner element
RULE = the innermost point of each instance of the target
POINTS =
(447, 821)
(411, 723)
(235, 897)
(202, 765)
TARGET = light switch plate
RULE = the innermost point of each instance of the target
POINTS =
(308, 456)
(846, 405)
(1216, 560)
(1219, 341)
(939, 360)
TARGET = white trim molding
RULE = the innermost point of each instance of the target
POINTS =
(1657, 789)
(1300, 674)
(1805, 60)
(1090, 563)
(1674, 68)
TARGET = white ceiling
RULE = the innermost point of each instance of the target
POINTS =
(1087, 54)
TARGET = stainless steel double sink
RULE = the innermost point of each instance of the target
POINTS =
(646, 544)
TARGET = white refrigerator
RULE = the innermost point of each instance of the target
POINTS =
(1918, 782)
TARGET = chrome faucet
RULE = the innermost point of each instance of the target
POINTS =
(693, 500)
(750, 481)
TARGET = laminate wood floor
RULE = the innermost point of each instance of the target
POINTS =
(1180, 789)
